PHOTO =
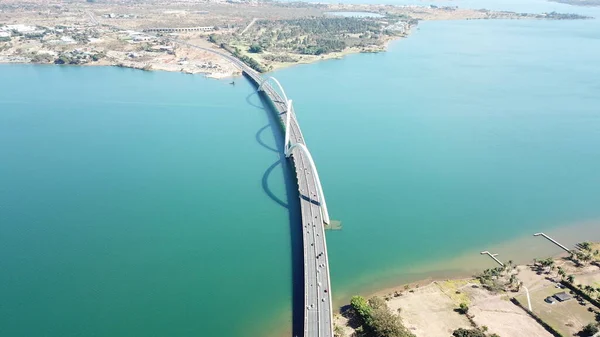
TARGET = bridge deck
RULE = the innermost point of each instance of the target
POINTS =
(317, 286)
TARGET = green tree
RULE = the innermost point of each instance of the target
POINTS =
(589, 289)
(383, 322)
(571, 278)
(587, 246)
(463, 308)
(589, 330)
(361, 307)
(255, 48)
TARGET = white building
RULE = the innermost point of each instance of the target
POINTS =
(142, 38)
(18, 28)
(67, 40)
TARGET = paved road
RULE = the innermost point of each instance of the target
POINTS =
(317, 286)
(248, 26)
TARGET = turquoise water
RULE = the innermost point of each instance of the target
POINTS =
(132, 205)
(143, 204)
(466, 133)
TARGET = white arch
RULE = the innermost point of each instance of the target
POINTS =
(316, 177)
(288, 107)
(278, 84)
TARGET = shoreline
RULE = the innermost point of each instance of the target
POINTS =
(454, 268)
(216, 76)
(131, 46)
(428, 307)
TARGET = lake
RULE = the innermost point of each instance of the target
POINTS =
(150, 204)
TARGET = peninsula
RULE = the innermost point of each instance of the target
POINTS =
(180, 35)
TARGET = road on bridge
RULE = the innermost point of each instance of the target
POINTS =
(317, 286)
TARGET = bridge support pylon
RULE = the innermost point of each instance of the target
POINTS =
(288, 149)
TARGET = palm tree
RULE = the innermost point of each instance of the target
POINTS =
(589, 289)
(587, 246)
(582, 257)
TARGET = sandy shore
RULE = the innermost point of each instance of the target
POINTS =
(522, 250)
(427, 307)
(438, 281)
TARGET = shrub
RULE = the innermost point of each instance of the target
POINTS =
(463, 308)
(467, 333)
(589, 330)
(255, 48)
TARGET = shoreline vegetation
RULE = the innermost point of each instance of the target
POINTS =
(564, 295)
(264, 35)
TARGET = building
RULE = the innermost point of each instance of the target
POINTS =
(19, 28)
(188, 29)
(562, 296)
(142, 38)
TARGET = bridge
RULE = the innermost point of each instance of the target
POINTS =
(318, 313)
(180, 29)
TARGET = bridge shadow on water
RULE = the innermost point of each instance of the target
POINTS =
(292, 205)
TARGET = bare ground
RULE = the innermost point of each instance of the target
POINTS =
(428, 310)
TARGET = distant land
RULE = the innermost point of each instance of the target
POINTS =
(181, 36)
(579, 2)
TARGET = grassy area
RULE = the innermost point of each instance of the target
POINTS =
(452, 289)
(272, 43)
(567, 317)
